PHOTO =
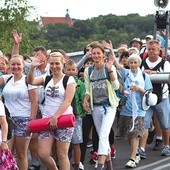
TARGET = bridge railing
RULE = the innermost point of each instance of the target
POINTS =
(155, 78)
(76, 56)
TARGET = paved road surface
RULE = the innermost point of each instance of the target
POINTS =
(153, 162)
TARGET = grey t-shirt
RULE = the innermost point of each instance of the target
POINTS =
(99, 86)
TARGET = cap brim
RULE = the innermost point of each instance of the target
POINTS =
(136, 41)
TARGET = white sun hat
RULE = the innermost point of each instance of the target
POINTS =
(149, 99)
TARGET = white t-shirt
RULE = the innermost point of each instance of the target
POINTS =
(16, 96)
(151, 65)
(54, 97)
(2, 113)
(2, 109)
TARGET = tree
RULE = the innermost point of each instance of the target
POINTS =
(13, 15)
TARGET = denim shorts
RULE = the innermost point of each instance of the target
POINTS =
(77, 135)
(162, 111)
(20, 127)
(60, 134)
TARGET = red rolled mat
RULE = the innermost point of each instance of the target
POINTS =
(39, 125)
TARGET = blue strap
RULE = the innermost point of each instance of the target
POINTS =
(98, 79)
(105, 104)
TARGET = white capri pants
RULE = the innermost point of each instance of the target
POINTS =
(103, 123)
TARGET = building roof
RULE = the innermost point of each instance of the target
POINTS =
(55, 20)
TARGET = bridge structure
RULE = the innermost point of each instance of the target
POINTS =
(155, 78)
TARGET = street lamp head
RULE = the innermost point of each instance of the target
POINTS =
(161, 3)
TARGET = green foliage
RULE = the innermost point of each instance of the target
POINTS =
(110, 27)
(14, 14)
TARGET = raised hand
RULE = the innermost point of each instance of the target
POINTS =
(17, 38)
(107, 45)
(38, 60)
(109, 62)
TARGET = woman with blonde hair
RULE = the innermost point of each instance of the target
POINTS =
(57, 103)
(20, 99)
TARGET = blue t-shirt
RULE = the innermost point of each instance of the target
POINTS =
(127, 108)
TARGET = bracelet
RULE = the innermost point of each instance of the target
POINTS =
(110, 72)
(4, 141)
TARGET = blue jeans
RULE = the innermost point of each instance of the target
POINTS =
(162, 111)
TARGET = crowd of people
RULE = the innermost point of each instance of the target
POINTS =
(101, 88)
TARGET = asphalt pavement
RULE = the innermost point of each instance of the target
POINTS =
(154, 160)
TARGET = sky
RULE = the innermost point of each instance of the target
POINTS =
(86, 9)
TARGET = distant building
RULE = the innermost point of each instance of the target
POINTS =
(54, 20)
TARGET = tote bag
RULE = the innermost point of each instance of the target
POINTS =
(7, 161)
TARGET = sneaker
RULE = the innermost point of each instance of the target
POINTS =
(81, 166)
(137, 159)
(96, 165)
(141, 153)
(113, 152)
(130, 164)
(33, 167)
(89, 144)
(158, 145)
(165, 151)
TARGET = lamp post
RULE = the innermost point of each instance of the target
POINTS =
(162, 20)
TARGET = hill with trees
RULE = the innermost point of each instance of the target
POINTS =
(109, 27)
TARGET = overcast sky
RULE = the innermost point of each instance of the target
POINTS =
(84, 9)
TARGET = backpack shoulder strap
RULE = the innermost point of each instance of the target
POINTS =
(144, 75)
(65, 80)
(9, 79)
(159, 65)
(144, 64)
(47, 79)
(163, 63)
(73, 103)
(107, 73)
(78, 90)
(90, 69)
(2, 97)
(26, 81)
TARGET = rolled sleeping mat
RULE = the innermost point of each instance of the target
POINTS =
(63, 121)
